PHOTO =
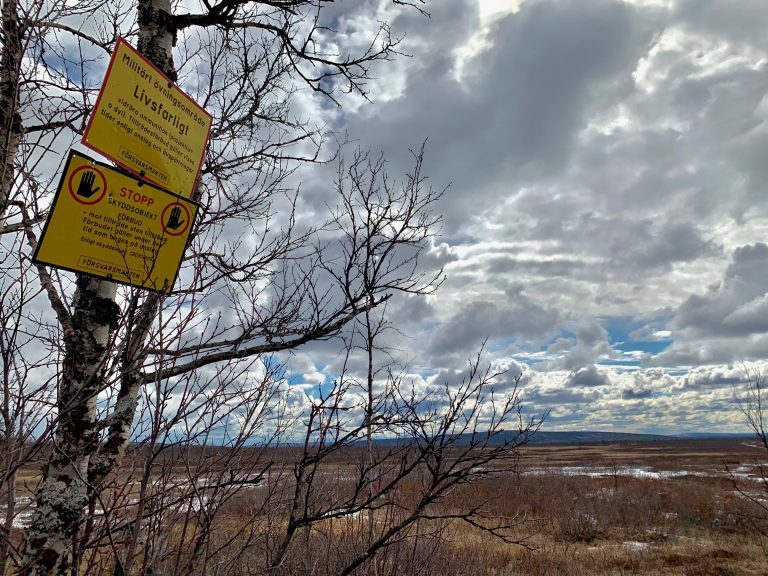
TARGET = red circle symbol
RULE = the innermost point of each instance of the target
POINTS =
(90, 187)
(175, 219)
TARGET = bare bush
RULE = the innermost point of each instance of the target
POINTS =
(751, 403)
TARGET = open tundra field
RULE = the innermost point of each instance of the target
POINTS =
(662, 508)
(666, 507)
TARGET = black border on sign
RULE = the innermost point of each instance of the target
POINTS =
(171, 84)
(62, 183)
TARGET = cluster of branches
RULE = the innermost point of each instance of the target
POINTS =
(208, 488)
(185, 394)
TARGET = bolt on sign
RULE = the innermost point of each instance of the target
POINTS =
(110, 225)
(147, 125)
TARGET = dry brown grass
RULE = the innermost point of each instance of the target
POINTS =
(693, 525)
(688, 524)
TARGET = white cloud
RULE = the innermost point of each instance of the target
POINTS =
(604, 161)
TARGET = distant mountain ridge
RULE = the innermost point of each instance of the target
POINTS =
(577, 437)
(581, 436)
(586, 437)
(707, 435)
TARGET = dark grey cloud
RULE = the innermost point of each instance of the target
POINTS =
(438, 256)
(509, 263)
(733, 306)
(739, 24)
(592, 343)
(517, 317)
(635, 394)
(725, 323)
(521, 103)
(651, 246)
(645, 384)
(686, 353)
(407, 310)
(587, 377)
(539, 399)
(703, 379)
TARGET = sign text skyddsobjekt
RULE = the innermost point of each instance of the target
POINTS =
(108, 224)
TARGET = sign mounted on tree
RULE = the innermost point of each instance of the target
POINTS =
(107, 224)
(147, 125)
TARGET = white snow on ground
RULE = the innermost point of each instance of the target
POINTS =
(23, 516)
(645, 472)
(25, 507)
(634, 545)
(341, 514)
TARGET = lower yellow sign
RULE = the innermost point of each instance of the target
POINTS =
(110, 225)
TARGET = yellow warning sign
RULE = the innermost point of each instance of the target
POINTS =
(110, 225)
(147, 125)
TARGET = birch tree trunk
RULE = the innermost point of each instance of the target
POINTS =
(156, 39)
(63, 495)
(10, 119)
(369, 335)
(78, 465)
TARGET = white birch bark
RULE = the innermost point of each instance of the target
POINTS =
(156, 39)
(10, 137)
(10, 120)
(63, 496)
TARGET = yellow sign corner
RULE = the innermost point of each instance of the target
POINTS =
(110, 225)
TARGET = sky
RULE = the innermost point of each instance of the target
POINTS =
(605, 221)
(604, 227)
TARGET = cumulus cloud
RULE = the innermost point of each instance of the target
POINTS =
(605, 161)
(588, 377)
(727, 321)
(726, 307)
(517, 316)
(592, 344)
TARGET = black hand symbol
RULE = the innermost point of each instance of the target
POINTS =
(86, 189)
(173, 219)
